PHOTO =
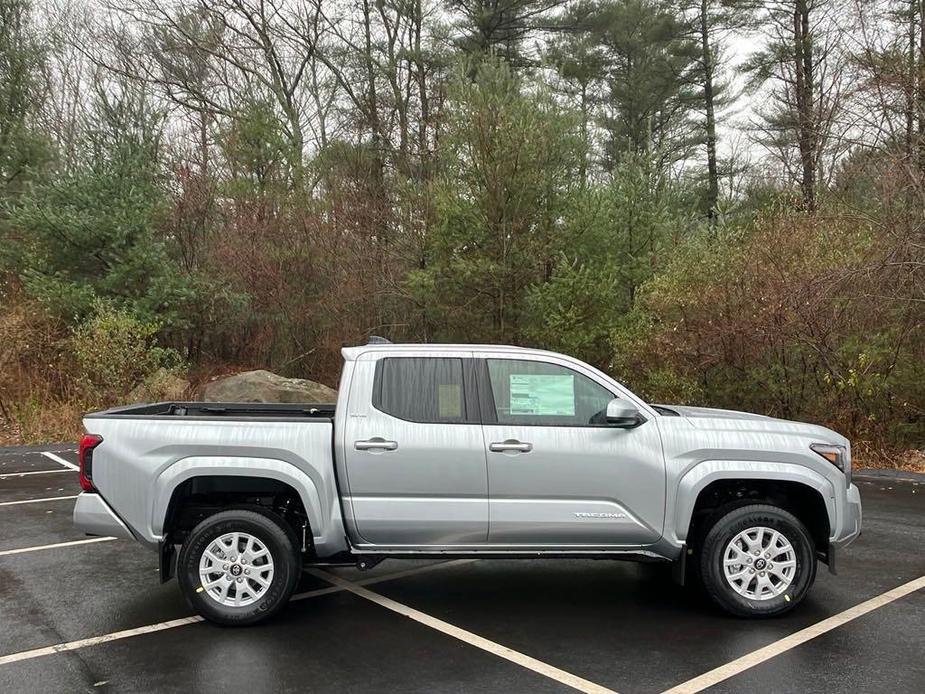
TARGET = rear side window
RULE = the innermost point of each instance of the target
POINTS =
(420, 389)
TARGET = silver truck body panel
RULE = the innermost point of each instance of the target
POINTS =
(95, 517)
(442, 488)
(588, 486)
(432, 490)
(142, 461)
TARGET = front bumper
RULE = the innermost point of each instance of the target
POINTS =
(848, 529)
(94, 516)
(849, 526)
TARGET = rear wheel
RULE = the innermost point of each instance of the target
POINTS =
(758, 561)
(239, 567)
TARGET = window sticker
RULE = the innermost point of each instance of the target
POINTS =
(449, 400)
(543, 394)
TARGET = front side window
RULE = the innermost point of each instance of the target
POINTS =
(420, 389)
(539, 393)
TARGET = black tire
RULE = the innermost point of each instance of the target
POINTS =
(725, 529)
(273, 533)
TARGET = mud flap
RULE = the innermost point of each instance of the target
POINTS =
(165, 551)
(679, 567)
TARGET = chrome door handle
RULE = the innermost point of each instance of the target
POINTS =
(510, 445)
(377, 443)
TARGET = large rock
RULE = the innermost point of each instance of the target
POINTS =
(266, 386)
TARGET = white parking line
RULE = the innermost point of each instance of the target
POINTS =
(750, 660)
(19, 454)
(96, 640)
(538, 666)
(56, 545)
(36, 501)
(59, 459)
(33, 472)
(161, 626)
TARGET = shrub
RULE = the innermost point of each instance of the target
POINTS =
(115, 351)
(799, 317)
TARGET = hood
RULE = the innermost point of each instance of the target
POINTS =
(708, 418)
(712, 412)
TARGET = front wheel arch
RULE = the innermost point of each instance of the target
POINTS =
(801, 500)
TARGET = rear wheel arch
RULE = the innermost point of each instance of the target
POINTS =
(259, 472)
(198, 497)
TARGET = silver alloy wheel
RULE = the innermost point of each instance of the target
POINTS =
(236, 569)
(759, 563)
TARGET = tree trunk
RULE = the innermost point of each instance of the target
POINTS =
(920, 87)
(707, 57)
(806, 131)
(910, 78)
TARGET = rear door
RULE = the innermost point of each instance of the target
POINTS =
(559, 476)
(414, 452)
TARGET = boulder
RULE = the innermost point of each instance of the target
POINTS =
(266, 386)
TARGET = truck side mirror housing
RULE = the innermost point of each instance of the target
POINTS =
(623, 414)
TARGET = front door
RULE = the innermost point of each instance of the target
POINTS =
(559, 476)
(414, 452)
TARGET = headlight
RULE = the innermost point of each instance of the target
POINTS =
(837, 455)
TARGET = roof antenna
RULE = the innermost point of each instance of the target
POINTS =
(376, 340)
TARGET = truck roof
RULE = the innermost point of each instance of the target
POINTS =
(351, 353)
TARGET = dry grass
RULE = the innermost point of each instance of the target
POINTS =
(36, 422)
(910, 461)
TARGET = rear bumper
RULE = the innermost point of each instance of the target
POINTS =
(94, 516)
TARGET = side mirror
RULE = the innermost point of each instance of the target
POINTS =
(623, 414)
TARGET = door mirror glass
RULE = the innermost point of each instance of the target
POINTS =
(624, 414)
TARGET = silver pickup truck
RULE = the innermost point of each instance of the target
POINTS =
(466, 450)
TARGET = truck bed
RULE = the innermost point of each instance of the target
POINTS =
(213, 410)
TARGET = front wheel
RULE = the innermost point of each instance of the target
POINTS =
(239, 567)
(758, 561)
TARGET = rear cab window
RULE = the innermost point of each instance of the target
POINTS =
(423, 389)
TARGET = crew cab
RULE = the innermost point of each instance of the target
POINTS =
(466, 450)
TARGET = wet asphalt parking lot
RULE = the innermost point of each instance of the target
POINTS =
(82, 615)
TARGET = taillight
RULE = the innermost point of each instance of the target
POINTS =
(85, 458)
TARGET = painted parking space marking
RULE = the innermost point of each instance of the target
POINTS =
(750, 660)
(195, 619)
(58, 459)
(56, 545)
(37, 501)
(33, 472)
(96, 640)
(33, 451)
(538, 666)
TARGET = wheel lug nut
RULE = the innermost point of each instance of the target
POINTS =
(751, 571)
(240, 579)
(761, 574)
(233, 558)
(246, 571)
(225, 567)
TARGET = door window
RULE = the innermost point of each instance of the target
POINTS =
(539, 393)
(420, 389)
